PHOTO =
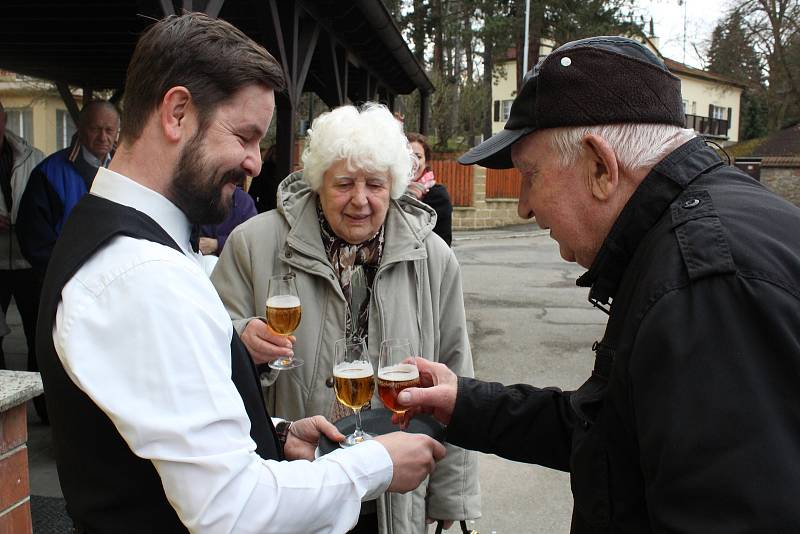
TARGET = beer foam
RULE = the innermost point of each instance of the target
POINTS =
(359, 369)
(283, 301)
(399, 372)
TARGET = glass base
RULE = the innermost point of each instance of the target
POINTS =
(352, 439)
(285, 363)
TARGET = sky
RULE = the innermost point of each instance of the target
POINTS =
(668, 16)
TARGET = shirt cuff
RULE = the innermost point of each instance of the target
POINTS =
(369, 466)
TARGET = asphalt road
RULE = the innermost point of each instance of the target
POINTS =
(529, 323)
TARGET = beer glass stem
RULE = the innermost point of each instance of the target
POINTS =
(358, 434)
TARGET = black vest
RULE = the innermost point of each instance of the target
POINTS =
(107, 488)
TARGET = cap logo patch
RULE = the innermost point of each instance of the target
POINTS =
(565, 61)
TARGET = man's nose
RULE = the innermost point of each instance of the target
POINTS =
(252, 161)
(523, 208)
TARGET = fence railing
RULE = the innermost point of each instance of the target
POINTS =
(502, 183)
(457, 178)
(707, 125)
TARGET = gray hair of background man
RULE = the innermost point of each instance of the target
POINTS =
(185, 51)
(368, 138)
(85, 115)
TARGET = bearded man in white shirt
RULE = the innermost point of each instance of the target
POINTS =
(157, 417)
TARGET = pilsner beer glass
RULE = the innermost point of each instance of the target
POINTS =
(353, 381)
(283, 313)
(397, 370)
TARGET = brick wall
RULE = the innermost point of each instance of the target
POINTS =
(784, 181)
(15, 506)
(485, 213)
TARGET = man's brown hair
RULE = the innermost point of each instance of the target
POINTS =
(210, 57)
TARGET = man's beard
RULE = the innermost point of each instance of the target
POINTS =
(195, 188)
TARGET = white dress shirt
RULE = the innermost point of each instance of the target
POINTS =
(141, 330)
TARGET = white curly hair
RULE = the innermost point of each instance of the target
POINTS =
(368, 138)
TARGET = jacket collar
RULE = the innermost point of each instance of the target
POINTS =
(408, 223)
(646, 206)
(19, 147)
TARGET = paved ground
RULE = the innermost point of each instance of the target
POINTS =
(528, 323)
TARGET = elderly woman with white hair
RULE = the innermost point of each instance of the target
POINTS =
(367, 264)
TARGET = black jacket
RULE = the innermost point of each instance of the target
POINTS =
(691, 419)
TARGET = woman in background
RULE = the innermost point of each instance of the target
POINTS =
(424, 187)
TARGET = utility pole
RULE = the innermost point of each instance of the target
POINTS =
(525, 47)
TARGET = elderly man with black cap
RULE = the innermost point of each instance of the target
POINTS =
(690, 421)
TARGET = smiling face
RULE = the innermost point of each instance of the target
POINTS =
(221, 154)
(560, 198)
(354, 202)
(419, 153)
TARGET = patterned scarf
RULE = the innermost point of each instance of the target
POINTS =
(345, 259)
(355, 266)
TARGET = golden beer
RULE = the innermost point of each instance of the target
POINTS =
(394, 379)
(354, 383)
(283, 313)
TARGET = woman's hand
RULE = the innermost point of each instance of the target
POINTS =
(264, 344)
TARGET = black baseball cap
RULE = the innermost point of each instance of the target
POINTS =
(599, 80)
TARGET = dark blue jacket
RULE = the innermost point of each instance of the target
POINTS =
(55, 186)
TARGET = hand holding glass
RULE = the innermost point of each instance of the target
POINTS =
(397, 370)
(283, 313)
(354, 382)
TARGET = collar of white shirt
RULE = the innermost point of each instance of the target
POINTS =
(122, 190)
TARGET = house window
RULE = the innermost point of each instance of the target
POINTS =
(506, 109)
(65, 129)
(20, 121)
(718, 112)
(685, 107)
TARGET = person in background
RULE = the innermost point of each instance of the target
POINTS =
(424, 187)
(367, 265)
(17, 279)
(59, 182)
(213, 236)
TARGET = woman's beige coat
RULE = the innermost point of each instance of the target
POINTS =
(416, 295)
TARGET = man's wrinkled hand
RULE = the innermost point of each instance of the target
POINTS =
(437, 396)
(303, 437)
(264, 344)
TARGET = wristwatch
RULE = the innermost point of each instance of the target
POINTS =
(282, 429)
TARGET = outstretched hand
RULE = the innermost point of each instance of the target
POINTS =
(437, 395)
(304, 434)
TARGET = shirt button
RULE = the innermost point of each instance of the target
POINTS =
(691, 203)
(288, 253)
(329, 381)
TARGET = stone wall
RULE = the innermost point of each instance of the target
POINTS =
(485, 213)
(783, 180)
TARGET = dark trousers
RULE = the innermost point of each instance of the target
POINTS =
(23, 285)
(367, 524)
